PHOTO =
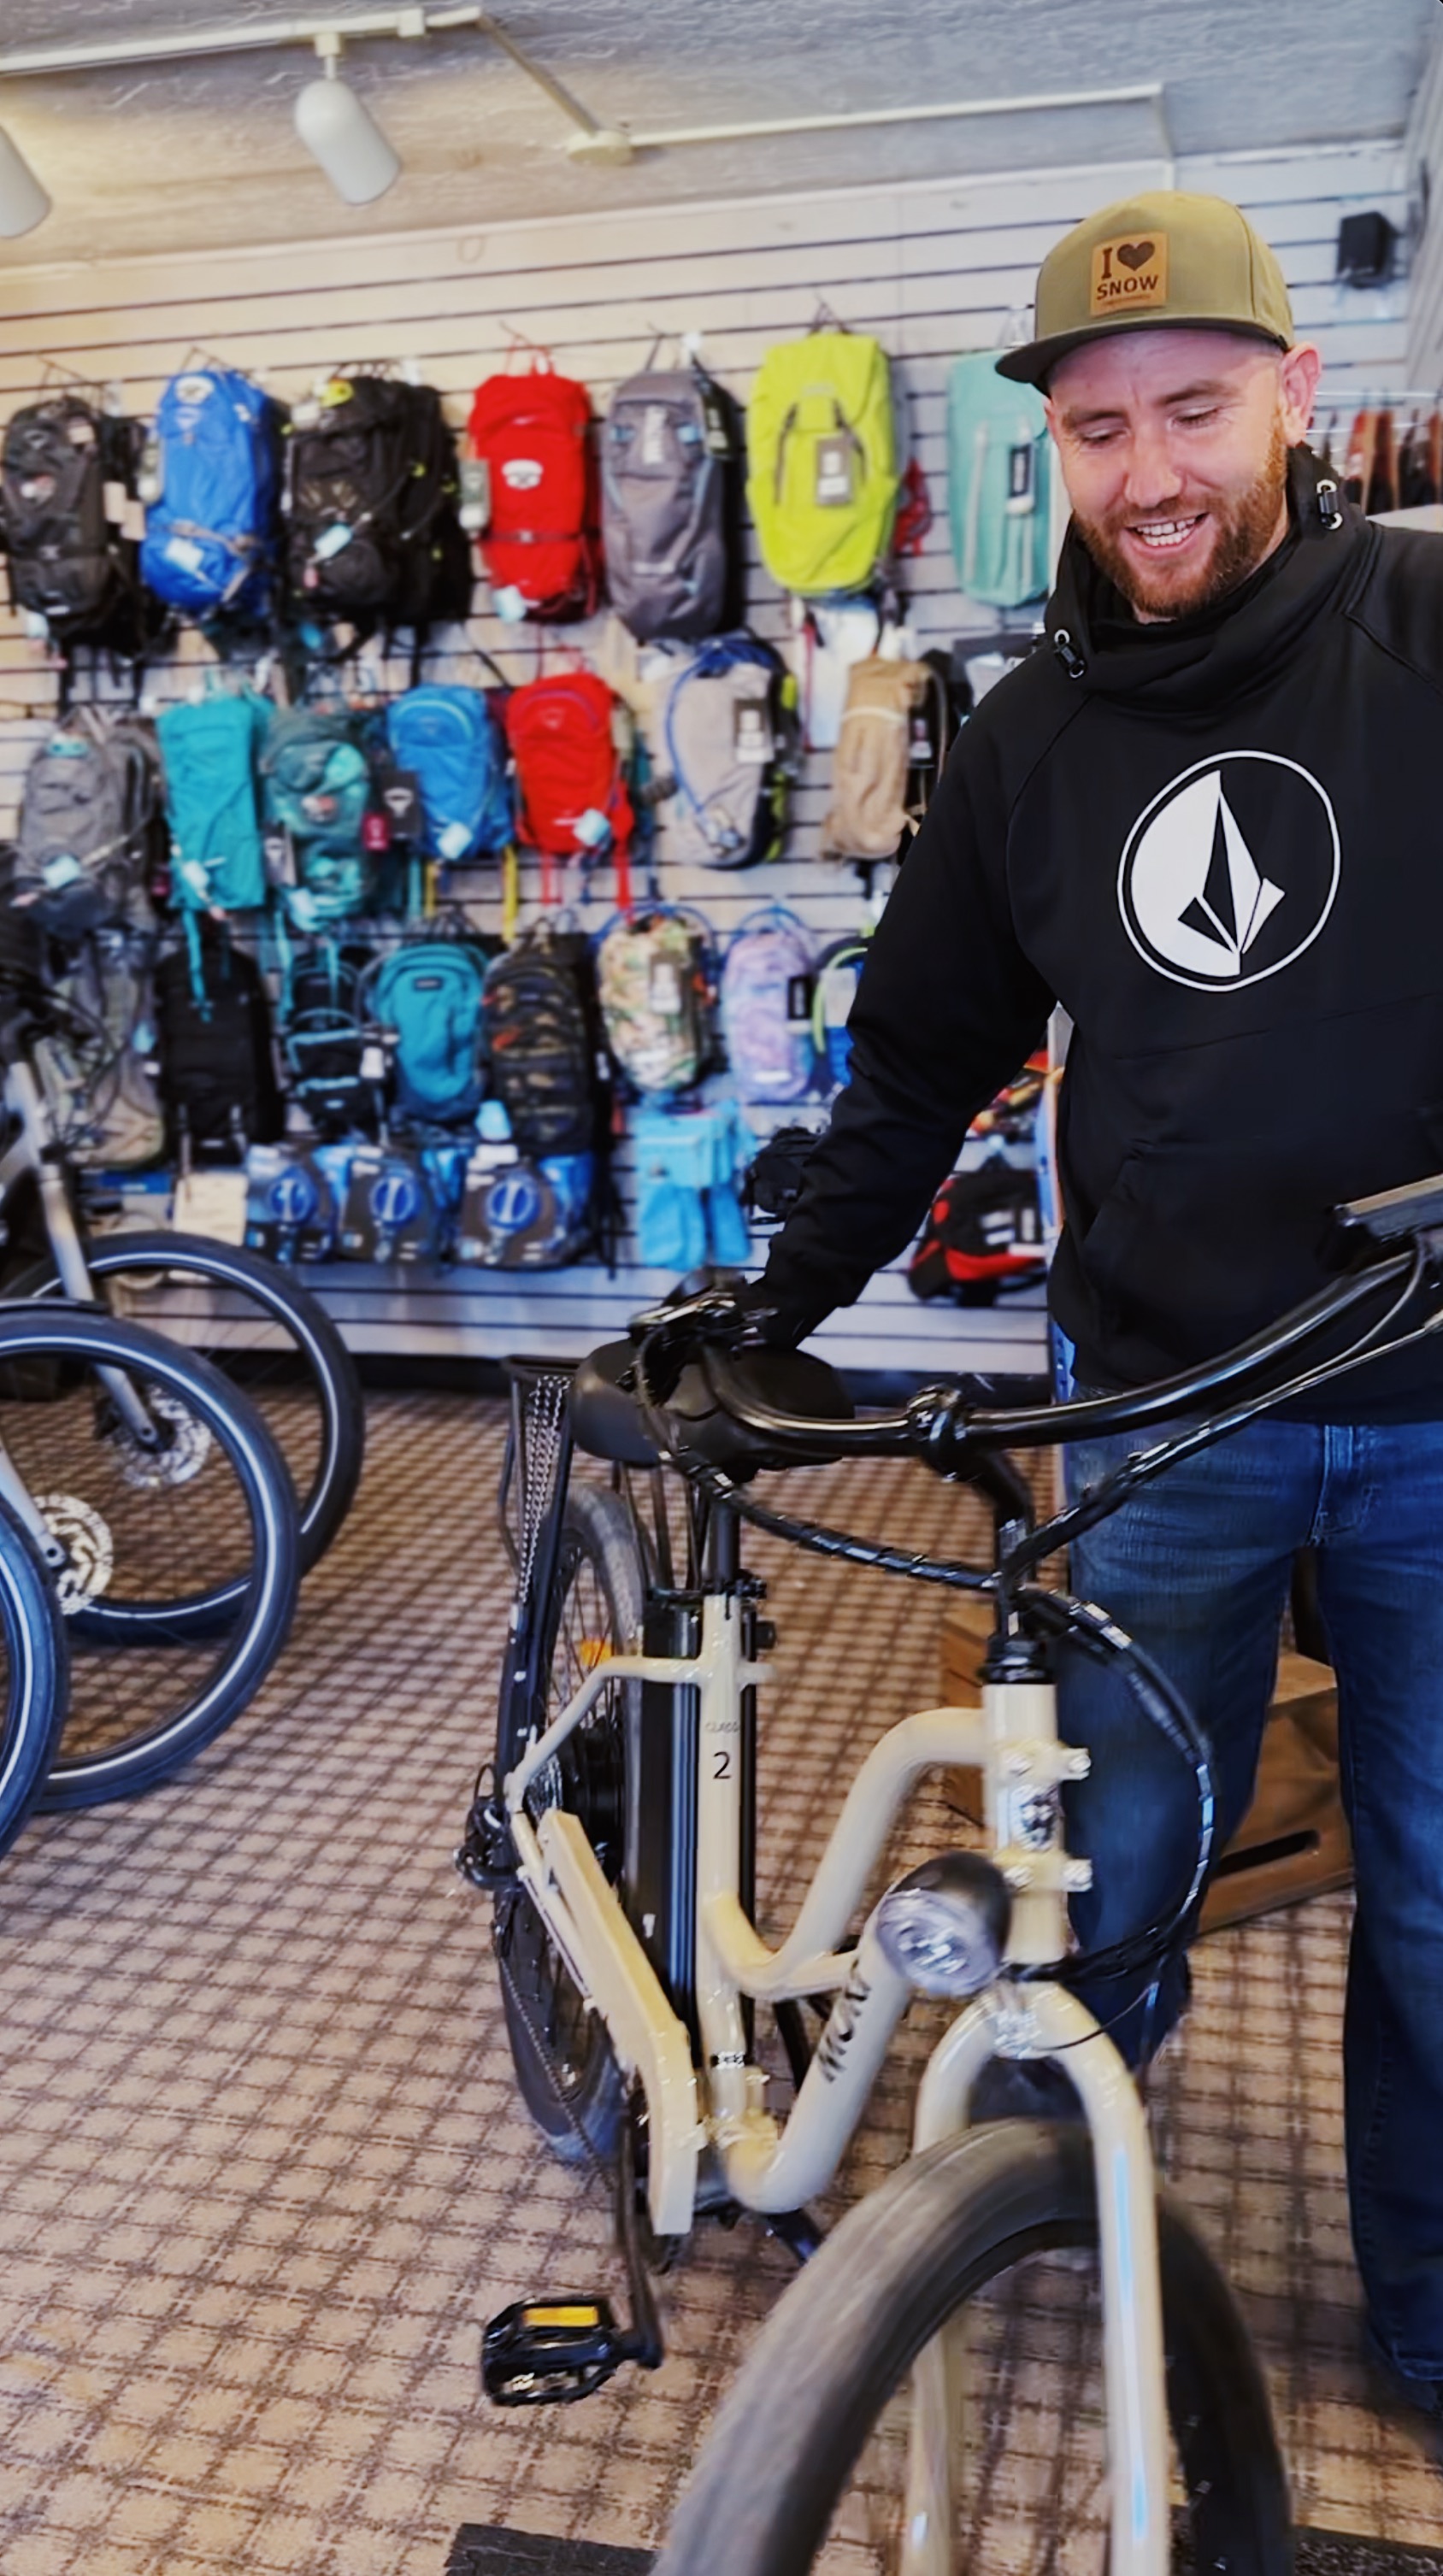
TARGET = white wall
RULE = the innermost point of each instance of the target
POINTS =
(932, 269)
(1424, 153)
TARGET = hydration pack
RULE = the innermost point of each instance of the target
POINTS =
(670, 454)
(531, 434)
(71, 522)
(217, 1070)
(451, 743)
(999, 484)
(98, 1073)
(317, 784)
(687, 1162)
(523, 1214)
(324, 1040)
(90, 834)
(655, 986)
(728, 745)
(983, 1234)
(391, 1210)
(571, 791)
(766, 1006)
(822, 478)
(291, 1210)
(211, 481)
(543, 1044)
(839, 972)
(210, 751)
(871, 806)
(428, 995)
(371, 496)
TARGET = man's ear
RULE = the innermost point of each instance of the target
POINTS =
(1302, 366)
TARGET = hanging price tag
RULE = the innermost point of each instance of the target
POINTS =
(833, 488)
(751, 732)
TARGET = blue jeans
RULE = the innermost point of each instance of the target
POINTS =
(1197, 1568)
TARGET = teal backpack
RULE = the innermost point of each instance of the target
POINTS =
(209, 752)
(428, 995)
(317, 799)
(999, 481)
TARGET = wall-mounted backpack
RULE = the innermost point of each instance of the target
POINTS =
(571, 792)
(999, 484)
(654, 976)
(317, 786)
(671, 449)
(822, 478)
(454, 747)
(371, 501)
(210, 478)
(872, 766)
(834, 990)
(217, 1069)
(325, 1036)
(544, 1056)
(98, 1072)
(983, 1234)
(210, 752)
(71, 522)
(90, 827)
(687, 1162)
(428, 996)
(766, 1006)
(727, 754)
(532, 433)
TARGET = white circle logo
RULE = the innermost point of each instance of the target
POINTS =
(1230, 873)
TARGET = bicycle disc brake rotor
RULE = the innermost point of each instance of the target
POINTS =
(186, 1447)
(89, 1550)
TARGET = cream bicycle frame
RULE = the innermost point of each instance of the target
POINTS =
(772, 2168)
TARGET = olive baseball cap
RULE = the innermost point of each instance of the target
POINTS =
(1165, 261)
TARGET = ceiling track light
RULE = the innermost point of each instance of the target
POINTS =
(340, 133)
(23, 201)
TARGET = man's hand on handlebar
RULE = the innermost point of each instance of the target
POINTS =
(725, 1315)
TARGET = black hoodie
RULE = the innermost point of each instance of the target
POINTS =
(1219, 844)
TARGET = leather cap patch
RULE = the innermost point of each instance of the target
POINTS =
(1129, 275)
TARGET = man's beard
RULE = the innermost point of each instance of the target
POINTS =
(1245, 531)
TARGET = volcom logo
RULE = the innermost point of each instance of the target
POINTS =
(1231, 872)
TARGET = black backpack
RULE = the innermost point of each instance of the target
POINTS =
(217, 1070)
(371, 495)
(983, 1235)
(65, 468)
(543, 1046)
(324, 1040)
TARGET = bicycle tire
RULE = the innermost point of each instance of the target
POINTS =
(566, 2072)
(324, 1491)
(899, 2267)
(266, 1600)
(33, 1697)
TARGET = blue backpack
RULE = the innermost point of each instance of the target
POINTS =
(317, 796)
(211, 478)
(210, 752)
(429, 996)
(449, 740)
(999, 484)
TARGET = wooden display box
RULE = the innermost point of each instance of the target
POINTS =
(1293, 1841)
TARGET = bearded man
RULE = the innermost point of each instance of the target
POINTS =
(1205, 817)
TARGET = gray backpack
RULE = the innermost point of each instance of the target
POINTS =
(726, 753)
(91, 826)
(670, 498)
(97, 1068)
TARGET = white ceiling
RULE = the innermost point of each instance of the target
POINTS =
(196, 156)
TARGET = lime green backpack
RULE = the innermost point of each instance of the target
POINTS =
(822, 461)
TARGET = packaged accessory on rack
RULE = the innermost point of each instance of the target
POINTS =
(519, 1213)
(210, 478)
(727, 754)
(671, 447)
(766, 1006)
(531, 434)
(392, 1210)
(210, 751)
(687, 1161)
(871, 771)
(317, 783)
(72, 523)
(655, 978)
(999, 483)
(291, 1208)
(91, 833)
(449, 740)
(822, 477)
(572, 796)
(217, 1068)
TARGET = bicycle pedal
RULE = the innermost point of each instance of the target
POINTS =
(550, 2352)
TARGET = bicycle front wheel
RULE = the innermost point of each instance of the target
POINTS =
(255, 1323)
(34, 1676)
(159, 1488)
(985, 2238)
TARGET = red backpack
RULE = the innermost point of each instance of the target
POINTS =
(571, 787)
(533, 433)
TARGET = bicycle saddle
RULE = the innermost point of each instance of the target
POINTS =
(606, 1421)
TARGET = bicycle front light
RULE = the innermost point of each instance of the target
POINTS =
(944, 1926)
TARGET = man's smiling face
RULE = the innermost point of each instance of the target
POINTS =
(1173, 446)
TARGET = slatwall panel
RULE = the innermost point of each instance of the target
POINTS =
(932, 269)
(1425, 155)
